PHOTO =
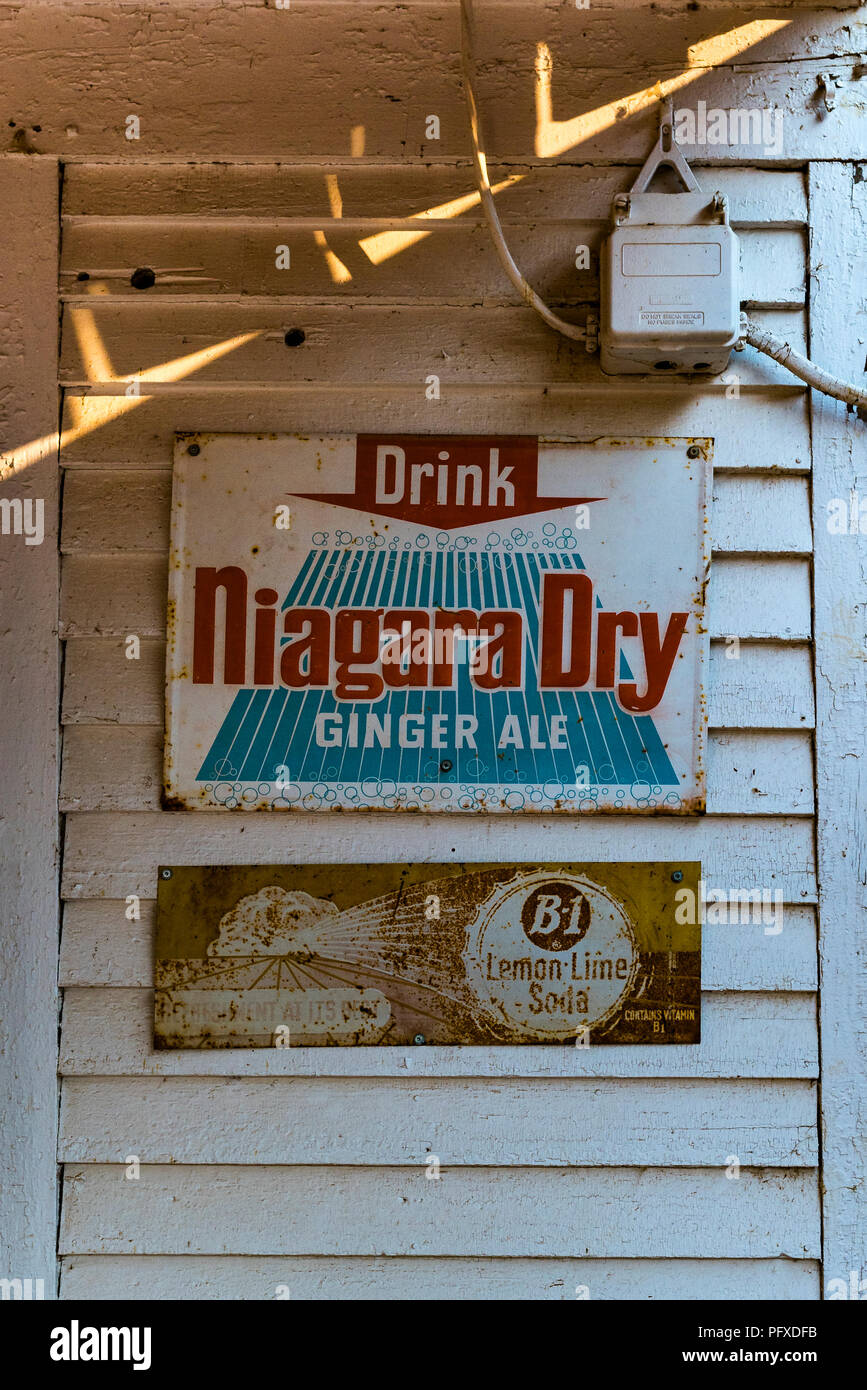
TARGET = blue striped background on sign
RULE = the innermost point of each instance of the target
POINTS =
(266, 729)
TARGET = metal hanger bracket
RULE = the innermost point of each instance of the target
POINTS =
(666, 151)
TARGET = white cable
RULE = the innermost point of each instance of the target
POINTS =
(526, 291)
(801, 366)
(757, 337)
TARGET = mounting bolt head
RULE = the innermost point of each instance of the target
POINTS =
(620, 207)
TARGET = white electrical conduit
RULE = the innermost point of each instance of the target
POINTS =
(801, 366)
(757, 337)
(526, 291)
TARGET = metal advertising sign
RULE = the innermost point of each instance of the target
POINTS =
(444, 623)
(343, 954)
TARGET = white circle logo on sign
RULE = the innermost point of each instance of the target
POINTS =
(551, 953)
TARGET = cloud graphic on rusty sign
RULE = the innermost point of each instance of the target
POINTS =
(274, 922)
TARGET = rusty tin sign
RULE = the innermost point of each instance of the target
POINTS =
(449, 623)
(370, 954)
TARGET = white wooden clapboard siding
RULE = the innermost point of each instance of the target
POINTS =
(109, 1032)
(351, 71)
(117, 594)
(120, 768)
(111, 855)
(768, 686)
(403, 1121)
(249, 345)
(840, 235)
(457, 262)
(324, 1208)
(307, 1166)
(378, 260)
(137, 432)
(107, 513)
(390, 192)
(29, 696)
(396, 235)
(101, 946)
(397, 1278)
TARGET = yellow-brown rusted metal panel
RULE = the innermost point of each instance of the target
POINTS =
(366, 954)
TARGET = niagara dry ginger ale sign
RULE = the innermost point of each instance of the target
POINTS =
(367, 954)
(436, 623)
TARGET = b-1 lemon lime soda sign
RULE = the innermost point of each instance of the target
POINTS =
(437, 623)
(340, 955)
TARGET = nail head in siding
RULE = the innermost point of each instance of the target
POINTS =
(143, 278)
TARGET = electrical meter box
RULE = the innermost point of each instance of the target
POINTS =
(670, 293)
(669, 272)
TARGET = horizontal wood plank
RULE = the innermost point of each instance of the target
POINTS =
(111, 854)
(607, 71)
(117, 768)
(751, 773)
(115, 595)
(138, 432)
(210, 1209)
(102, 685)
(455, 263)
(757, 198)
(195, 349)
(107, 512)
(753, 685)
(760, 598)
(402, 1122)
(759, 685)
(760, 514)
(100, 945)
(428, 1279)
(109, 1032)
